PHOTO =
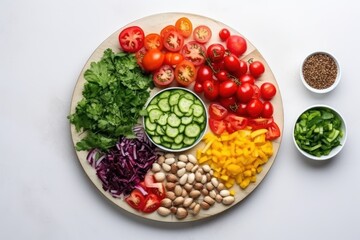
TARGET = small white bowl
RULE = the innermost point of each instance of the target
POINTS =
(334, 151)
(325, 90)
(201, 134)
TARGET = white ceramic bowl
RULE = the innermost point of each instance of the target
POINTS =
(201, 134)
(325, 90)
(334, 151)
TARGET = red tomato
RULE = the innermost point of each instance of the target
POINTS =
(153, 40)
(216, 52)
(139, 55)
(164, 76)
(236, 122)
(202, 34)
(136, 200)
(243, 68)
(256, 68)
(229, 128)
(194, 52)
(224, 34)
(267, 91)
(198, 87)
(218, 66)
(159, 191)
(167, 29)
(211, 89)
(268, 110)
(222, 75)
(131, 39)
(236, 45)
(173, 41)
(229, 103)
(173, 59)
(231, 63)
(153, 59)
(245, 92)
(217, 126)
(241, 109)
(151, 203)
(227, 88)
(273, 132)
(204, 73)
(184, 26)
(260, 123)
(185, 73)
(254, 108)
(217, 112)
(256, 92)
(247, 78)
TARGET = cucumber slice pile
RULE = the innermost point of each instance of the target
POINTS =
(176, 119)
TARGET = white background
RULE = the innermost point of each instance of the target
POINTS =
(44, 193)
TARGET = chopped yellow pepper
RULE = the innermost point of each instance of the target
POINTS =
(237, 157)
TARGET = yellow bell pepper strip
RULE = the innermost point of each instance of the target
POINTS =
(237, 157)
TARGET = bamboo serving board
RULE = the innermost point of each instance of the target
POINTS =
(155, 23)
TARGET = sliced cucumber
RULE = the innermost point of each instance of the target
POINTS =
(189, 141)
(176, 146)
(181, 128)
(198, 110)
(155, 115)
(156, 139)
(200, 119)
(164, 94)
(159, 130)
(172, 132)
(186, 120)
(179, 138)
(173, 120)
(177, 111)
(151, 107)
(163, 119)
(174, 99)
(189, 96)
(164, 105)
(167, 139)
(185, 104)
(192, 130)
(149, 125)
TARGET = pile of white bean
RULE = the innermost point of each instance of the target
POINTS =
(189, 187)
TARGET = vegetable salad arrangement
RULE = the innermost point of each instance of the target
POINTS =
(220, 100)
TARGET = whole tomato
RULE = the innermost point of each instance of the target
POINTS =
(232, 63)
(227, 88)
(204, 73)
(245, 92)
(254, 108)
(236, 45)
(247, 78)
(198, 87)
(224, 34)
(267, 91)
(211, 89)
(229, 103)
(222, 75)
(256, 69)
(216, 52)
(268, 110)
(153, 59)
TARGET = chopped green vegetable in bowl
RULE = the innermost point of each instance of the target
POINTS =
(319, 132)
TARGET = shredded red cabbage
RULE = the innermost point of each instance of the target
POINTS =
(124, 166)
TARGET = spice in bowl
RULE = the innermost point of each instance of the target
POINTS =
(320, 72)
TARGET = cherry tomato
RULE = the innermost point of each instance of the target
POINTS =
(273, 132)
(267, 91)
(247, 78)
(198, 87)
(173, 59)
(245, 92)
(153, 40)
(256, 69)
(236, 122)
(260, 123)
(204, 73)
(194, 52)
(243, 68)
(202, 34)
(236, 45)
(173, 41)
(151, 203)
(136, 200)
(218, 66)
(241, 109)
(224, 34)
(139, 55)
(229, 103)
(268, 110)
(184, 26)
(217, 112)
(256, 92)
(216, 52)
(153, 59)
(222, 75)
(185, 73)
(231, 63)
(254, 108)
(131, 39)
(227, 88)
(164, 76)
(229, 128)
(167, 29)
(211, 89)
(217, 126)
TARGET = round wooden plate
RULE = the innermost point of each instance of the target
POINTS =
(155, 23)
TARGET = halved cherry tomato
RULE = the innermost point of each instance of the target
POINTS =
(194, 52)
(164, 76)
(236, 122)
(185, 73)
(256, 68)
(167, 29)
(236, 45)
(153, 40)
(136, 200)
(227, 88)
(259, 123)
(217, 126)
(139, 55)
(216, 52)
(204, 73)
(153, 59)
(173, 41)
(131, 39)
(268, 110)
(247, 78)
(273, 131)
(211, 89)
(158, 191)
(224, 34)
(217, 112)
(254, 108)
(202, 34)
(245, 92)
(184, 27)
(173, 59)
(151, 203)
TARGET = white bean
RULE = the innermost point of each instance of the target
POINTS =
(159, 176)
(170, 160)
(183, 179)
(192, 159)
(183, 158)
(156, 167)
(191, 178)
(215, 182)
(181, 164)
(206, 168)
(163, 211)
(181, 172)
(166, 167)
(224, 193)
(169, 155)
(228, 200)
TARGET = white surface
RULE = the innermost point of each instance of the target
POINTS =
(44, 191)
